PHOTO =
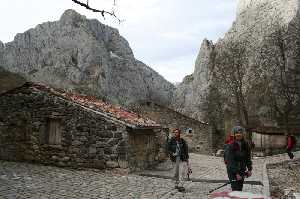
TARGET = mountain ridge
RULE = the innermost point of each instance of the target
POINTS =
(83, 55)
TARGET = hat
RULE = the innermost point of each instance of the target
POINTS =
(237, 129)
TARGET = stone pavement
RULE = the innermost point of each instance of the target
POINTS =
(213, 168)
(23, 180)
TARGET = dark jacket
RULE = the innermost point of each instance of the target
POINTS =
(172, 144)
(238, 158)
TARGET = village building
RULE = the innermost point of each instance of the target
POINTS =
(198, 134)
(269, 140)
(44, 125)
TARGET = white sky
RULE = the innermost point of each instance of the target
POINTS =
(164, 34)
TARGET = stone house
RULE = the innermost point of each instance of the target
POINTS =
(271, 140)
(43, 125)
(199, 135)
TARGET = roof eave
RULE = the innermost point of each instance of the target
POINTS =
(144, 127)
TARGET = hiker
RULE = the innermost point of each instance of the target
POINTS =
(178, 150)
(237, 157)
(291, 141)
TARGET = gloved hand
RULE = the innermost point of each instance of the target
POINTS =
(238, 177)
(248, 173)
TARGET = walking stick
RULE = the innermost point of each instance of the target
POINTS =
(219, 187)
(223, 185)
(189, 171)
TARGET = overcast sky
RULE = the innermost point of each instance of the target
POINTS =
(164, 34)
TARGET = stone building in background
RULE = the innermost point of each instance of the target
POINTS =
(199, 135)
(269, 140)
(42, 125)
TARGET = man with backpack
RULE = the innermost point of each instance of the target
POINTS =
(178, 150)
(291, 142)
(237, 157)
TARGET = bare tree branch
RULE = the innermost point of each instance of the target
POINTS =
(103, 12)
(230, 64)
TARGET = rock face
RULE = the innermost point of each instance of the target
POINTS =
(85, 56)
(256, 21)
(189, 94)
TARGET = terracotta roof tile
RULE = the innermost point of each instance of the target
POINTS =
(98, 105)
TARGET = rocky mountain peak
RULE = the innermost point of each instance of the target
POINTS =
(71, 14)
(85, 56)
(71, 17)
(257, 23)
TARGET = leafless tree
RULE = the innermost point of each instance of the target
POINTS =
(230, 63)
(279, 60)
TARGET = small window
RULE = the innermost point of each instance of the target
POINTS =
(189, 131)
(54, 132)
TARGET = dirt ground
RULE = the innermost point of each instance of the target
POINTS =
(285, 175)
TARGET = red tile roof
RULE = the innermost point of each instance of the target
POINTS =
(91, 102)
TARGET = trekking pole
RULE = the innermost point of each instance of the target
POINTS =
(189, 171)
(219, 187)
(223, 185)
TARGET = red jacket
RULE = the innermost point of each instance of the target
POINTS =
(290, 143)
(229, 139)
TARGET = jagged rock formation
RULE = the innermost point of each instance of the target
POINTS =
(85, 56)
(190, 93)
(256, 24)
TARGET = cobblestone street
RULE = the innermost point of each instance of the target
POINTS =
(23, 180)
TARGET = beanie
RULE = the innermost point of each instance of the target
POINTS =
(237, 129)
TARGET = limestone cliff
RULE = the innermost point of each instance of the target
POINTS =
(85, 56)
(189, 94)
(257, 21)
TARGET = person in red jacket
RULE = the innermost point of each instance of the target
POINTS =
(229, 140)
(290, 145)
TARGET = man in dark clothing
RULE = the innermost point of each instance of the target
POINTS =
(178, 150)
(238, 159)
(290, 145)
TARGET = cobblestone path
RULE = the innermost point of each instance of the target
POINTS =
(23, 180)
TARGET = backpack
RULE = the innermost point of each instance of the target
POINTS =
(226, 152)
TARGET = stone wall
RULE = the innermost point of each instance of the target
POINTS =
(200, 138)
(87, 139)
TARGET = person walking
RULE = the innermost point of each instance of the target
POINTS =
(237, 157)
(291, 141)
(179, 155)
